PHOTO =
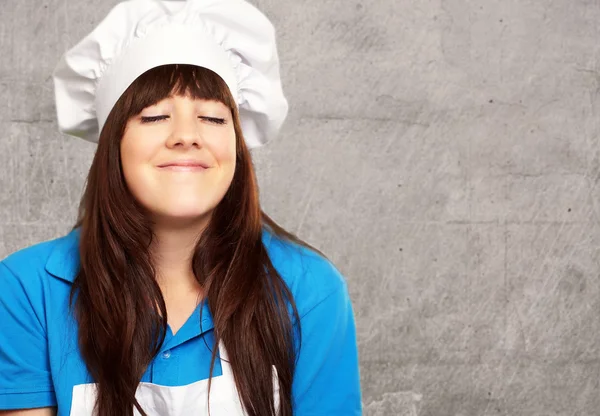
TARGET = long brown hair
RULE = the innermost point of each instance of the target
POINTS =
(121, 313)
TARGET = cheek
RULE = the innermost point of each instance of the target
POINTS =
(225, 151)
(134, 166)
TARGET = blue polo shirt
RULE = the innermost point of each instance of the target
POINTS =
(40, 362)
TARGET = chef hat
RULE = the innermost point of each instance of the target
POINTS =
(230, 37)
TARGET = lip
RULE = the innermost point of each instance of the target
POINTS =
(183, 168)
(184, 165)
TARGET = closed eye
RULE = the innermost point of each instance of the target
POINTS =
(214, 120)
(153, 119)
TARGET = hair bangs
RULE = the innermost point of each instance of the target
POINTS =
(165, 81)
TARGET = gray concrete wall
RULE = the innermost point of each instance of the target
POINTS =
(445, 155)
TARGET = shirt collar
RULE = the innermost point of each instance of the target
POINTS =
(63, 261)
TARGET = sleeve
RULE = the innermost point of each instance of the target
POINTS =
(25, 380)
(327, 379)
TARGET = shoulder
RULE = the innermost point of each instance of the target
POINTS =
(31, 265)
(311, 277)
(31, 256)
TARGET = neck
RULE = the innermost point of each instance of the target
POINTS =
(172, 250)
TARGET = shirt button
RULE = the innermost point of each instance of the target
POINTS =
(166, 354)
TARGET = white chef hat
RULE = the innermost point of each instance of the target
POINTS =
(230, 37)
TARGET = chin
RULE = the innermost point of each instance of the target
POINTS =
(181, 219)
(184, 210)
(181, 212)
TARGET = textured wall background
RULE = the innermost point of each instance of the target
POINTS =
(445, 155)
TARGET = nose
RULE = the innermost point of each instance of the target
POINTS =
(185, 131)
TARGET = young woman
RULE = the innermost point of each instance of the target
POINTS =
(174, 294)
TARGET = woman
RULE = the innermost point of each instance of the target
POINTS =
(174, 294)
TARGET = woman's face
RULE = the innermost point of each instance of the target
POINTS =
(164, 148)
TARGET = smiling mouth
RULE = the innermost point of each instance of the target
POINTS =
(183, 168)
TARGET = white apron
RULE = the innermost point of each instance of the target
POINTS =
(191, 399)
